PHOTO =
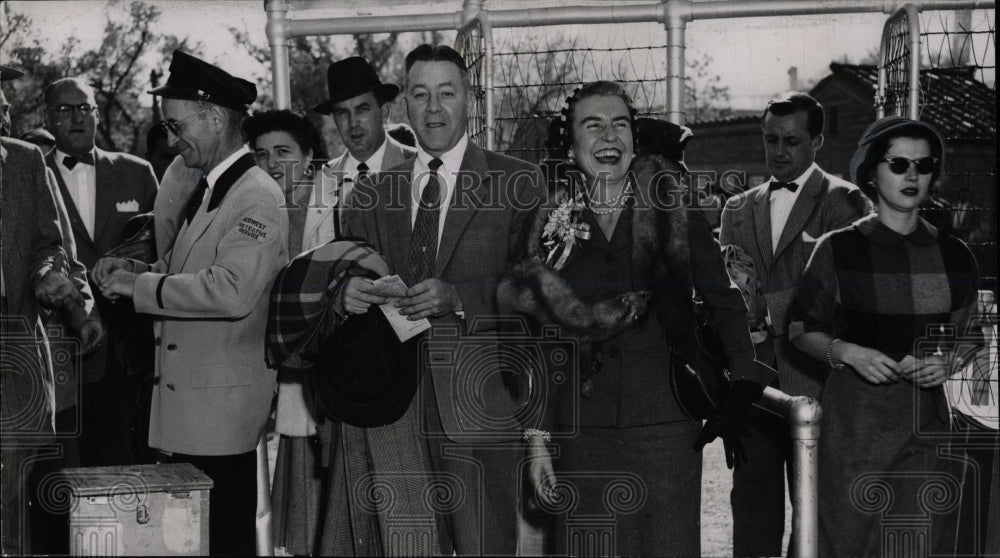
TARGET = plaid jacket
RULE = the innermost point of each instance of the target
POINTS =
(302, 307)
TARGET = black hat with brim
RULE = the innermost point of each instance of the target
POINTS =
(351, 77)
(364, 375)
(7, 73)
(193, 79)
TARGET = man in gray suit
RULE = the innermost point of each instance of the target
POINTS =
(359, 103)
(450, 221)
(777, 225)
(36, 276)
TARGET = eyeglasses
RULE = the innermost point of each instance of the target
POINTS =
(174, 125)
(64, 111)
(899, 165)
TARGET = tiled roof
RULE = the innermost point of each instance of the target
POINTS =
(951, 98)
(735, 116)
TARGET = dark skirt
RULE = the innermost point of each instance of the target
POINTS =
(887, 486)
(630, 491)
(296, 495)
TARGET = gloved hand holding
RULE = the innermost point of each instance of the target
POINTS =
(730, 423)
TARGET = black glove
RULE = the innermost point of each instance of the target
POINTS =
(730, 422)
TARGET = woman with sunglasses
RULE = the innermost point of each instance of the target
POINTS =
(881, 302)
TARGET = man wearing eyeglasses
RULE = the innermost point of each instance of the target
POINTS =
(102, 191)
(212, 390)
(777, 224)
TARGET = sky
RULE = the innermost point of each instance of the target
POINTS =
(751, 56)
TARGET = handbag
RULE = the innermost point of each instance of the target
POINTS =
(699, 376)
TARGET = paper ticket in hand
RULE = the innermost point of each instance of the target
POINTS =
(392, 287)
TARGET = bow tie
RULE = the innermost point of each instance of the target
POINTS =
(776, 185)
(70, 161)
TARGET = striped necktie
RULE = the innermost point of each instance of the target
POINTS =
(423, 241)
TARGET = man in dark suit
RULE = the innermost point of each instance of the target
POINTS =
(777, 224)
(35, 275)
(359, 103)
(450, 221)
(102, 191)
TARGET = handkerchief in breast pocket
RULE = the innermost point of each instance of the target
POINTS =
(806, 237)
(130, 206)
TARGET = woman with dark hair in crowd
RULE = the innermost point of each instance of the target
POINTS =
(291, 150)
(881, 302)
(614, 261)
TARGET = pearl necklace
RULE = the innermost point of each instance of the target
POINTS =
(613, 205)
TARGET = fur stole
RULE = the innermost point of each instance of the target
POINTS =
(659, 255)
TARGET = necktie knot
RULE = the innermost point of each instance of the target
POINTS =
(435, 164)
(778, 185)
(70, 161)
(362, 171)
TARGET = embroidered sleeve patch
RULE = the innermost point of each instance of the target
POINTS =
(253, 229)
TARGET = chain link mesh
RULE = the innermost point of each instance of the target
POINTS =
(534, 78)
(472, 43)
(958, 94)
(896, 57)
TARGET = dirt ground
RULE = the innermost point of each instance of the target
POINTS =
(716, 519)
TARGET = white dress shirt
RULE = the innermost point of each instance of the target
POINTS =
(217, 170)
(351, 169)
(451, 162)
(782, 201)
(319, 220)
(82, 185)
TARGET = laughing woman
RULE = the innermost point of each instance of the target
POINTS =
(870, 294)
(622, 286)
(290, 149)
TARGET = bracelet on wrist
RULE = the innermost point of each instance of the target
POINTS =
(829, 355)
(530, 433)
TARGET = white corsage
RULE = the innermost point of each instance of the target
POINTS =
(563, 229)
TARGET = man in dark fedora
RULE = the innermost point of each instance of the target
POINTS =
(212, 389)
(359, 104)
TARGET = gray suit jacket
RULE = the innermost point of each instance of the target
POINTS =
(30, 245)
(825, 203)
(484, 234)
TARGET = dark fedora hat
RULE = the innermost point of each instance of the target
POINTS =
(351, 77)
(7, 73)
(363, 374)
(193, 79)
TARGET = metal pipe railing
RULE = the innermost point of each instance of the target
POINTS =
(277, 39)
(673, 14)
(803, 416)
